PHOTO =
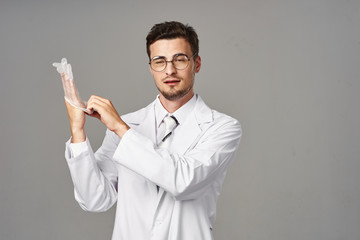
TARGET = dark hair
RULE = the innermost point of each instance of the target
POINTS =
(172, 30)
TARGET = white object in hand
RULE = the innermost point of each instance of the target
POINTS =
(72, 95)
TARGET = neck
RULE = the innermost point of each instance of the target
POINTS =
(173, 105)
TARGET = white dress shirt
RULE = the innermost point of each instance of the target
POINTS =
(190, 173)
(161, 113)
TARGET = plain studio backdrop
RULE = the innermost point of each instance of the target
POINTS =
(289, 71)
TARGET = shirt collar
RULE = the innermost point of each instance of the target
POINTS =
(180, 114)
(160, 112)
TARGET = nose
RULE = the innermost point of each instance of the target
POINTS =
(170, 69)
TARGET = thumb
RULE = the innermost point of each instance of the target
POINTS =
(94, 114)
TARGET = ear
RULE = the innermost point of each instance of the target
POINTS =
(197, 64)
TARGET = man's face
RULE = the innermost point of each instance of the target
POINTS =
(174, 84)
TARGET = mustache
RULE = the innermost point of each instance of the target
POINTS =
(172, 77)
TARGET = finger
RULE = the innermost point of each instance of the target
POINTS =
(67, 88)
(58, 66)
(94, 114)
(101, 99)
(69, 71)
(103, 102)
(100, 105)
(70, 90)
(94, 105)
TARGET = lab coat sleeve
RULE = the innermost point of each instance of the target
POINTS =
(94, 175)
(183, 176)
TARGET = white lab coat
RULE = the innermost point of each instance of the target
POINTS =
(128, 170)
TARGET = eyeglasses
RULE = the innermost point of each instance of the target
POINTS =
(180, 61)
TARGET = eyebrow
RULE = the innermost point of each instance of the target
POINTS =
(176, 54)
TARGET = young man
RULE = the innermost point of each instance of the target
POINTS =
(164, 164)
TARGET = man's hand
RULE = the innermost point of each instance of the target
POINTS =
(77, 123)
(104, 111)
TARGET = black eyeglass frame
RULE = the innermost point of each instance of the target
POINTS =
(172, 61)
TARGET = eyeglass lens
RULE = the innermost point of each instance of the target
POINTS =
(179, 62)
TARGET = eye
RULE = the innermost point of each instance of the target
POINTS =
(180, 58)
(158, 61)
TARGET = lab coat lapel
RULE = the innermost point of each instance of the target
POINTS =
(187, 133)
(143, 121)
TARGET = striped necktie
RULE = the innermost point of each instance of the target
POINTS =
(170, 124)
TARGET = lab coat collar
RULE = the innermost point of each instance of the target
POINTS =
(202, 113)
(160, 111)
(186, 133)
(180, 114)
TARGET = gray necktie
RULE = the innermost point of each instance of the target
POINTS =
(170, 125)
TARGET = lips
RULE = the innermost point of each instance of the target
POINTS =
(171, 81)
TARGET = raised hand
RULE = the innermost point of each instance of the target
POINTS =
(105, 111)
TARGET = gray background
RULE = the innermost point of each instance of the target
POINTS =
(287, 70)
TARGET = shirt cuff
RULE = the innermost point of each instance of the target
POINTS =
(78, 148)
